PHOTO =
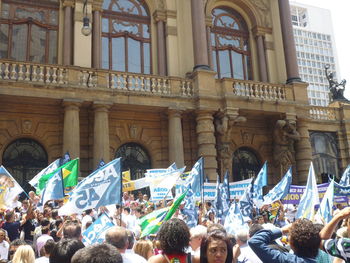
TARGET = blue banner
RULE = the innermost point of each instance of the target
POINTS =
(96, 232)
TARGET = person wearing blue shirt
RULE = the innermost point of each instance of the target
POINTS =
(304, 239)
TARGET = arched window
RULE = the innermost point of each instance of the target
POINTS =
(24, 158)
(324, 154)
(29, 30)
(134, 158)
(230, 44)
(245, 164)
(126, 39)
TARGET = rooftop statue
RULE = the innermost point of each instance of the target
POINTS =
(336, 89)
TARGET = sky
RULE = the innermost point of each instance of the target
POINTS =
(341, 24)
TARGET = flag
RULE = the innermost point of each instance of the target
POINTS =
(345, 179)
(49, 169)
(126, 176)
(234, 220)
(68, 171)
(259, 182)
(309, 198)
(326, 207)
(53, 190)
(280, 190)
(96, 232)
(101, 188)
(154, 226)
(147, 219)
(100, 164)
(225, 196)
(217, 200)
(9, 188)
(195, 178)
(246, 204)
(160, 186)
(189, 210)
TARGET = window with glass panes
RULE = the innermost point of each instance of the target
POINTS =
(126, 38)
(230, 44)
(29, 30)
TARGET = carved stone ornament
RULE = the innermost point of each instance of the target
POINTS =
(133, 131)
(27, 126)
(263, 8)
(285, 135)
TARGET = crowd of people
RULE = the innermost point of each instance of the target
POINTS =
(28, 235)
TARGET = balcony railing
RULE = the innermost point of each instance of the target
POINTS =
(265, 91)
(323, 113)
(90, 78)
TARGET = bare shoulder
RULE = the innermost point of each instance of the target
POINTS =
(156, 259)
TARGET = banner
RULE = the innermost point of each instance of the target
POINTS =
(9, 189)
(96, 232)
(340, 190)
(161, 184)
(296, 191)
(101, 188)
(236, 189)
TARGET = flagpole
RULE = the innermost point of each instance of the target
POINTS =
(121, 194)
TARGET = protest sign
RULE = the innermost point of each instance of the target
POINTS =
(95, 233)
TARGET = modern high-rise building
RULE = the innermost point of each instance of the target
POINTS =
(315, 45)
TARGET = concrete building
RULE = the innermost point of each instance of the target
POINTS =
(161, 81)
(315, 45)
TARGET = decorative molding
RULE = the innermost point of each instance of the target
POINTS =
(27, 126)
(263, 7)
(171, 30)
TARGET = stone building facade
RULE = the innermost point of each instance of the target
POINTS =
(161, 81)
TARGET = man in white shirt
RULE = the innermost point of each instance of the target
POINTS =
(4, 245)
(118, 237)
(247, 254)
(87, 218)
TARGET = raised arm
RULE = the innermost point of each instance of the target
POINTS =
(328, 230)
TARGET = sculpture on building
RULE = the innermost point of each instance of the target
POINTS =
(336, 89)
(285, 135)
(224, 124)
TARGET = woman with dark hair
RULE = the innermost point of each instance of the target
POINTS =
(216, 247)
(174, 238)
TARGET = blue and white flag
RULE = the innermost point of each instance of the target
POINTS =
(309, 199)
(49, 169)
(100, 164)
(345, 178)
(196, 176)
(54, 190)
(218, 201)
(280, 190)
(259, 182)
(101, 188)
(325, 211)
(96, 232)
(189, 210)
(226, 187)
(225, 196)
(246, 204)
(9, 189)
(234, 220)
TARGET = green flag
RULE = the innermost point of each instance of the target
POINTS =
(153, 226)
(147, 219)
(69, 173)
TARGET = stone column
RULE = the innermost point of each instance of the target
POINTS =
(199, 33)
(206, 142)
(96, 35)
(71, 128)
(101, 133)
(160, 17)
(303, 154)
(262, 58)
(290, 54)
(176, 148)
(67, 32)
